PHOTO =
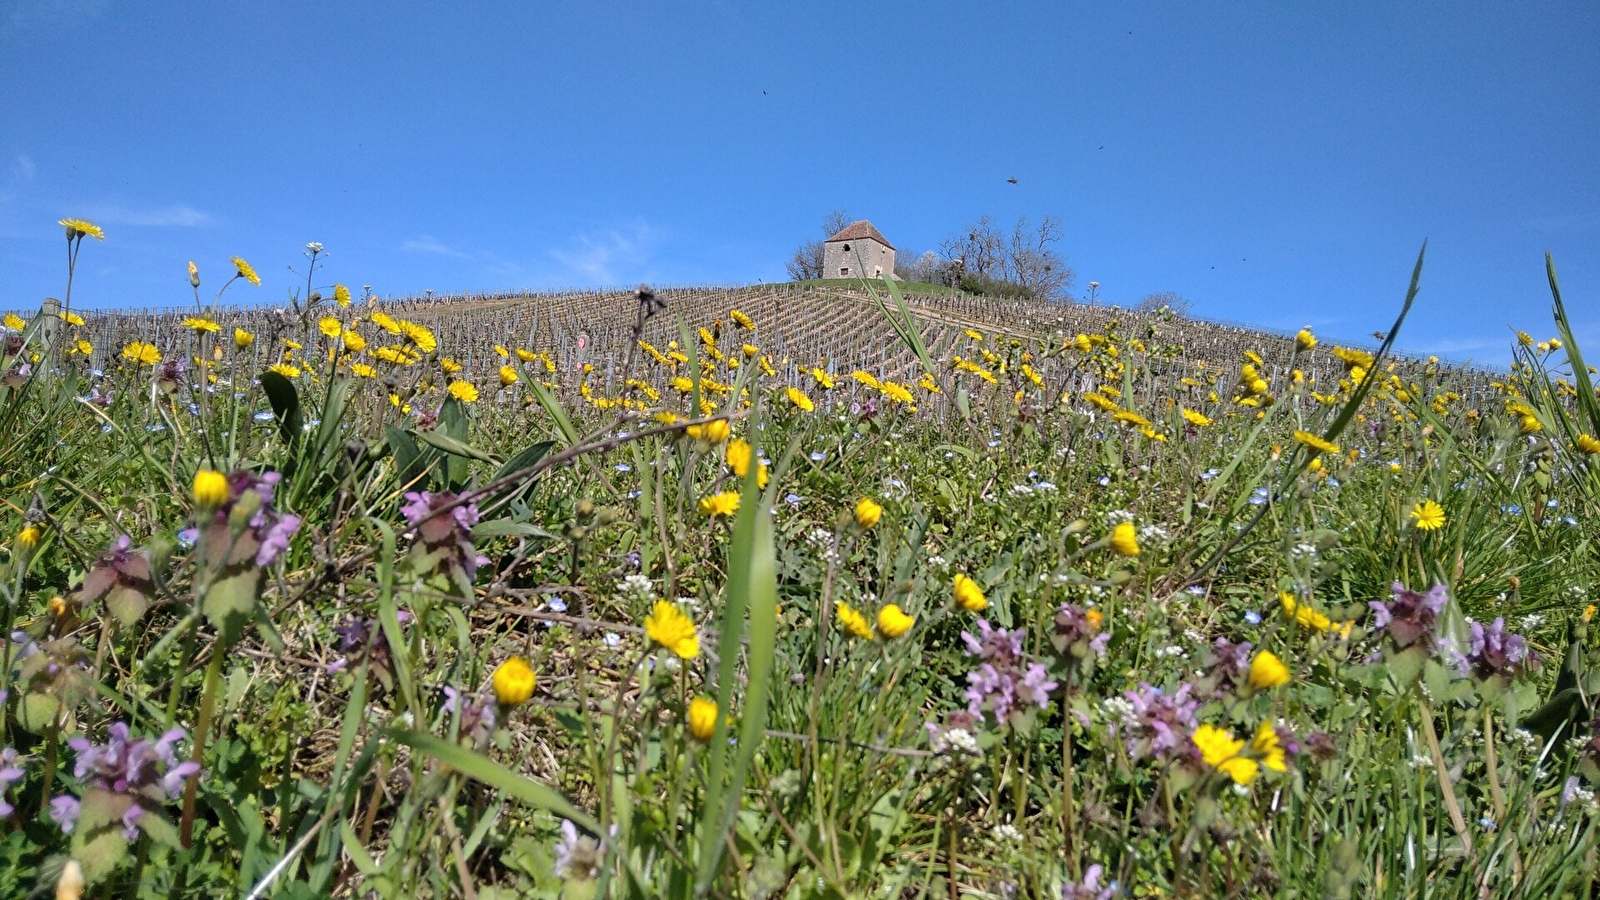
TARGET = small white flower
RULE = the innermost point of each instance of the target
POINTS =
(938, 562)
(1421, 761)
(1007, 833)
(1118, 516)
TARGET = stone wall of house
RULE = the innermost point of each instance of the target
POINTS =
(865, 257)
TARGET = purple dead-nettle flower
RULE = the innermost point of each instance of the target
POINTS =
(1228, 666)
(1078, 634)
(1157, 724)
(1495, 652)
(442, 537)
(1089, 888)
(256, 532)
(361, 640)
(1411, 616)
(10, 773)
(121, 577)
(477, 714)
(130, 776)
(1004, 681)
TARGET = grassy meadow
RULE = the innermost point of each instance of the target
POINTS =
(787, 591)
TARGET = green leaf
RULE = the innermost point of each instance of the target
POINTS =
(231, 600)
(285, 402)
(753, 588)
(126, 605)
(454, 447)
(410, 463)
(508, 528)
(453, 424)
(481, 768)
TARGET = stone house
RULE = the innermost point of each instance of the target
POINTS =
(859, 251)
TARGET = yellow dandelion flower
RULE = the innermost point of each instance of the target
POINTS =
(449, 365)
(799, 399)
(1428, 515)
(28, 539)
(867, 378)
(508, 375)
(738, 454)
(1267, 671)
(1125, 539)
(353, 341)
(1304, 339)
(78, 227)
(246, 271)
(927, 383)
(670, 627)
(330, 326)
(1588, 445)
(287, 370)
(15, 322)
(1265, 746)
(968, 595)
(386, 322)
(713, 433)
(895, 391)
(420, 336)
(725, 503)
(341, 295)
(362, 370)
(463, 391)
(852, 620)
(141, 353)
(1221, 751)
(1198, 420)
(1129, 417)
(867, 513)
(1315, 443)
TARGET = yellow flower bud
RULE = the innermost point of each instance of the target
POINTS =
(1267, 671)
(210, 489)
(28, 539)
(868, 512)
(1125, 539)
(513, 682)
(702, 718)
(968, 595)
(893, 621)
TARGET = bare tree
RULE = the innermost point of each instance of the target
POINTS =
(1032, 263)
(1025, 258)
(981, 249)
(806, 264)
(1171, 301)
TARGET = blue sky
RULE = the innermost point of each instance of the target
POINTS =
(1278, 164)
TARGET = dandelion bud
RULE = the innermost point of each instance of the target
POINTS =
(1267, 671)
(245, 509)
(1076, 526)
(702, 718)
(58, 606)
(868, 512)
(585, 509)
(893, 621)
(1125, 539)
(210, 489)
(194, 274)
(28, 539)
(514, 682)
(968, 595)
(1304, 340)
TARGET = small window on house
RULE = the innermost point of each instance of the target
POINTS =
(876, 271)
(844, 271)
(847, 248)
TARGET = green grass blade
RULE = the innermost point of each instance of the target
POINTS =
(485, 770)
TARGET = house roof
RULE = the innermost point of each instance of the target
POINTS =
(859, 231)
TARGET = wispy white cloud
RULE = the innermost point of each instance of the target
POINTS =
(177, 215)
(433, 246)
(22, 168)
(605, 257)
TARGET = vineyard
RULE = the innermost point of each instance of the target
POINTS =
(787, 591)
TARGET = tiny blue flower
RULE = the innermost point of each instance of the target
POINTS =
(818, 456)
(623, 467)
(1252, 617)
